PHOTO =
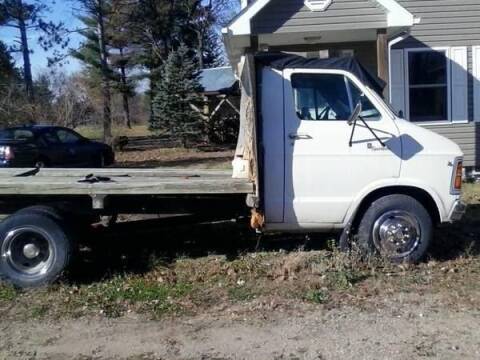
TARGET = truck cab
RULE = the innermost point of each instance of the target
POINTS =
(333, 155)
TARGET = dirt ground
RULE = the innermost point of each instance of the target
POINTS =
(403, 327)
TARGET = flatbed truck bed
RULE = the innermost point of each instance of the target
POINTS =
(118, 181)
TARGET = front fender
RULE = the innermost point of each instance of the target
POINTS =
(443, 209)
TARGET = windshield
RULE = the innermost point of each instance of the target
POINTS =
(16, 134)
(393, 113)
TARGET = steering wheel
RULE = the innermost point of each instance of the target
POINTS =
(324, 114)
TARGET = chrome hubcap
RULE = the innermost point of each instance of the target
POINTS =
(28, 251)
(31, 251)
(396, 233)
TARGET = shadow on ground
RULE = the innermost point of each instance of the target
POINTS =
(137, 246)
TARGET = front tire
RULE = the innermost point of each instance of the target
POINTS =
(398, 227)
(34, 249)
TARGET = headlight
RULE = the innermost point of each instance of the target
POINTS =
(456, 185)
(6, 153)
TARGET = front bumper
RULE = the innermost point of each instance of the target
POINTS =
(458, 210)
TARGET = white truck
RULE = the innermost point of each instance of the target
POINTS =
(319, 150)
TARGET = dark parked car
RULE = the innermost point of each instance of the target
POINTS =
(51, 146)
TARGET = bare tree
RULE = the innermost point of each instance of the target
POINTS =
(27, 16)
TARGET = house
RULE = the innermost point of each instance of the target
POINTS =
(428, 52)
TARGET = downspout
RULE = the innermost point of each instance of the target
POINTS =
(395, 40)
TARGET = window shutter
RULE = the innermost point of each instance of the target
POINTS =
(459, 84)
(397, 81)
(476, 82)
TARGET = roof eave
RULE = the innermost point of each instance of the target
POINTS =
(240, 25)
(397, 15)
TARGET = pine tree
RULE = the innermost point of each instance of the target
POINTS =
(177, 91)
(7, 67)
(122, 53)
(97, 12)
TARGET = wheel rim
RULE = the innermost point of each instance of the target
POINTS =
(396, 233)
(28, 251)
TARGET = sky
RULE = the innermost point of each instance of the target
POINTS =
(61, 11)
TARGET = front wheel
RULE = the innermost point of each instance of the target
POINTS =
(396, 226)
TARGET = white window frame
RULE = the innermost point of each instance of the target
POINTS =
(449, 86)
(476, 87)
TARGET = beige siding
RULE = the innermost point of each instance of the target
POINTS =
(445, 22)
(281, 16)
(466, 136)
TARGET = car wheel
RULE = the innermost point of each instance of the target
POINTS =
(34, 249)
(398, 227)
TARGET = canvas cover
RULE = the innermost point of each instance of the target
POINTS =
(281, 61)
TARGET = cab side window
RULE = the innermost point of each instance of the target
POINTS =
(328, 97)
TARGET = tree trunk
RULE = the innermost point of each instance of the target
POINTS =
(126, 110)
(107, 111)
(200, 49)
(126, 105)
(27, 66)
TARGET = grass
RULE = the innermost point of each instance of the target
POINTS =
(122, 294)
(7, 293)
(200, 268)
(96, 132)
(317, 296)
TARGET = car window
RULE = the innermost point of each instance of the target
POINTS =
(21, 134)
(326, 97)
(16, 134)
(6, 135)
(51, 137)
(67, 136)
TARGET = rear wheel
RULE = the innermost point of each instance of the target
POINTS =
(396, 226)
(34, 249)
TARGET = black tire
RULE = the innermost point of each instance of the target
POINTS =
(43, 210)
(396, 226)
(34, 249)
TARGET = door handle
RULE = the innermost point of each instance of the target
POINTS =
(370, 146)
(299, 136)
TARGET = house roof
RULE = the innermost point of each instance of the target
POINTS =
(397, 16)
(218, 80)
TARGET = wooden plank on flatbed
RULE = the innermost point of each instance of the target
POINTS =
(120, 172)
(155, 182)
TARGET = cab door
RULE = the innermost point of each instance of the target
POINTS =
(323, 173)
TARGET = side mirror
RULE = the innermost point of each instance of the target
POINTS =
(356, 113)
